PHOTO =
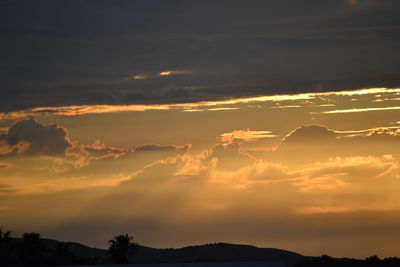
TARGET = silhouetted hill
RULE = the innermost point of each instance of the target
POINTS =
(208, 252)
(78, 249)
(215, 252)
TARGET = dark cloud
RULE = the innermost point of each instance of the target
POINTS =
(4, 165)
(372, 142)
(230, 157)
(310, 143)
(306, 143)
(32, 137)
(5, 188)
(161, 148)
(66, 53)
(318, 137)
(99, 151)
(307, 134)
(109, 160)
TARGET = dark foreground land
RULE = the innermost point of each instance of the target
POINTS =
(56, 253)
(218, 254)
(198, 264)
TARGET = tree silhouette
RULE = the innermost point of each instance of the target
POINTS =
(30, 252)
(120, 247)
(5, 247)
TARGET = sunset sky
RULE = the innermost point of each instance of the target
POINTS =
(268, 123)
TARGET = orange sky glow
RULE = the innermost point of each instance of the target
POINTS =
(271, 171)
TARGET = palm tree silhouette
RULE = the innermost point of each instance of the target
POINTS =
(121, 247)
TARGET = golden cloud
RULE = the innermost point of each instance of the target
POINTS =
(356, 110)
(172, 72)
(245, 135)
(75, 110)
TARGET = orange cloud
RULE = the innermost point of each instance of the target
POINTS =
(4, 165)
(322, 210)
(99, 109)
(309, 133)
(245, 135)
(139, 77)
(343, 171)
(356, 110)
(172, 72)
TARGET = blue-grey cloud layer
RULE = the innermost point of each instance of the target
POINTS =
(84, 52)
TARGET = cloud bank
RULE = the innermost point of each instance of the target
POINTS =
(82, 53)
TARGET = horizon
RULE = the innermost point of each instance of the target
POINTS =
(106, 248)
(271, 124)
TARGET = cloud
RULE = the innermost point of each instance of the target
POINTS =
(356, 110)
(335, 173)
(5, 188)
(305, 144)
(4, 165)
(191, 170)
(266, 171)
(352, 2)
(380, 136)
(6, 149)
(162, 74)
(169, 170)
(172, 72)
(190, 196)
(193, 105)
(154, 147)
(245, 135)
(230, 157)
(208, 195)
(265, 43)
(309, 134)
(51, 142)
(322, 210)
(344, 171)
(252, 175)
(32, 137)
(359, 166)
(89, 160)
(139, 77)
(223, 164)
(80, 155)
(99, 150)
(310, 143)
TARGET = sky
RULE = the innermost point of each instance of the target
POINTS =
(269, 123)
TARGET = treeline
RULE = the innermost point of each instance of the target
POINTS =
(326, 261)
(30, 250)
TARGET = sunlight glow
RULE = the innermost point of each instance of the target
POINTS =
(354, 110)
(75, 110)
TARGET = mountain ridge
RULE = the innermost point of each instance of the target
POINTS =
(212, 252)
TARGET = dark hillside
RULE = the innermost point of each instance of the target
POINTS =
(215, 252)
(208, 252)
